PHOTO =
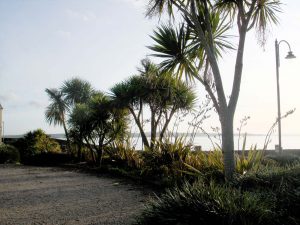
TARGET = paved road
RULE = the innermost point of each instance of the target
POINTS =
(40, 195)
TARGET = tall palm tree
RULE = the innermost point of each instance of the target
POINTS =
(193, 49)
(55, 112)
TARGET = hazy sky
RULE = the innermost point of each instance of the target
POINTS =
(45, 42)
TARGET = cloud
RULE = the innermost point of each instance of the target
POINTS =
(9, 97)
(36, 104)
(63, 34)
(85, 16)
(139, 4)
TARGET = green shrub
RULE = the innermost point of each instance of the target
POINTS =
(281, 182)
(208, 204)
(283, 158)
(271, 178)
(206, 161)
(251, 161)
(166, 159)
(9, 153)
(122, 154)
(34, 143)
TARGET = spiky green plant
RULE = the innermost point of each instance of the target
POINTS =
(166, 159)
(208, 204)
(123, 152)
(250, 161)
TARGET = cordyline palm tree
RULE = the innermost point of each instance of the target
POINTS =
(163, 94)
(98, 123)
(55, 112)
(80, 128)
(76, 91)
(194, 49)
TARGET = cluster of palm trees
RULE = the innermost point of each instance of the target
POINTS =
(160, 92)
(192, 50)
(64, 100)
(94, 120)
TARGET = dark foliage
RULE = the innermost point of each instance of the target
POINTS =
(9, 154)
(208, 204)
(49, 159)
(34, 143)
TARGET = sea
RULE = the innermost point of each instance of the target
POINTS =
(209, 142)
(250, 140)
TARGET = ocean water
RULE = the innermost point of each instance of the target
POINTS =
(288, 142)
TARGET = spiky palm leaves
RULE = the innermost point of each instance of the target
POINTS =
(63, 101)
(56, 111)
(97, 123)
(162, 93)
(76, 91)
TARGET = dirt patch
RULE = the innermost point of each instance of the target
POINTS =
(43, 195)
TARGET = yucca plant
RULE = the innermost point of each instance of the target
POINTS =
(167, 158)
(198, 163)
(123, 152)
(250, 161)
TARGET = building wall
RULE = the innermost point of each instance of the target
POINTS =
(1, 123)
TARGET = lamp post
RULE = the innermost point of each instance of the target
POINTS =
(290, 55)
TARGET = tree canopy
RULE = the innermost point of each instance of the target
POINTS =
(158, 90)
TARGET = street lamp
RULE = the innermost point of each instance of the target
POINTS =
(290, 55)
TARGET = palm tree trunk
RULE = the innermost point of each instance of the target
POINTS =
(168, 119)
(227, 122)
(153, 130)
(79, 152)
(99, 156)
(91, 149)
(138, 122)
(228, 145)
(67, 136)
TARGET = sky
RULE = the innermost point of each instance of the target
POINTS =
(45, 42)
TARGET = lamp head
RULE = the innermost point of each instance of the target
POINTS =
(290, 55)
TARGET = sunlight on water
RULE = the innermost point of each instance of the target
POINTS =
(288, 142)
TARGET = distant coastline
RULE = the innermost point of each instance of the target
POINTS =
(62, 135)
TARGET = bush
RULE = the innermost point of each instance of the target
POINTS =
(283, 159)
(252, 161)
(271, 178)
(34, 143)
(283, 183)
(208, 204)
(122, 154)
(166, 161)
(270, 195)
(9, 154)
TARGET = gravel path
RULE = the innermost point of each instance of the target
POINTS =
(42, 195)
